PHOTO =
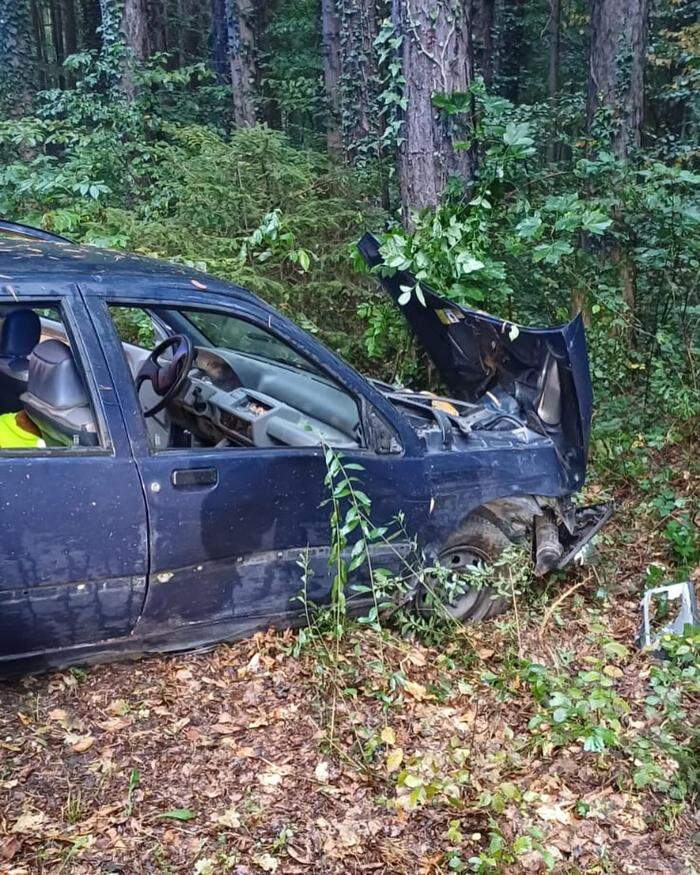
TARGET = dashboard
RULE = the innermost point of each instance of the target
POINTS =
(225, 410)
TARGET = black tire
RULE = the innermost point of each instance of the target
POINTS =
(476, 540)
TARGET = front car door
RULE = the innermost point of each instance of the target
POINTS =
(73, 529)
(229, 523)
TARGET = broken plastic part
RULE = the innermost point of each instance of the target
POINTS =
(687, 615)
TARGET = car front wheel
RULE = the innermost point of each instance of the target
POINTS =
(477, 541)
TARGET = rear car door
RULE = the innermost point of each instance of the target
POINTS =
(229, 524)
(73, 528)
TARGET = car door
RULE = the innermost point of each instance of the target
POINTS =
(228, 525)
(73, 529)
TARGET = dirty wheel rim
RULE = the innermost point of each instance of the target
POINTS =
(460, 558)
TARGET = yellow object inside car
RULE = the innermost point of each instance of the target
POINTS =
(17, 431)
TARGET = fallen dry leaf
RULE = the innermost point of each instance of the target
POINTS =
(394, 759)
(28, 822)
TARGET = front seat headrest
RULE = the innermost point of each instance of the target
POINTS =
(21, 330)
(54, 378)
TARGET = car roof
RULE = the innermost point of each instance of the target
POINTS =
(35, 260)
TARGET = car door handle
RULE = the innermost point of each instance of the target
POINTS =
(189, 478)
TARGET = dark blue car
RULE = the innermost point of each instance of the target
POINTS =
(162, 462)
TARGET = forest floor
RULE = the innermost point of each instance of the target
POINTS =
(243, 760)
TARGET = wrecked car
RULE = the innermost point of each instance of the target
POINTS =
(162, 457)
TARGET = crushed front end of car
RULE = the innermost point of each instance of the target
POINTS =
(513, 441)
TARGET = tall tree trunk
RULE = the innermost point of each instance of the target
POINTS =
(359, 76)
(553, 71)
(511, 48)
(483, 21)
(240, 28)
(155, 15)
(89, 23)
(57, 39)
(17, 61)
(219, 41)
(330, 30)
(126, 20)
(616, 82)
(616, 68)
(135, 29)
(70, 28)
(39, 44)
(437, 59)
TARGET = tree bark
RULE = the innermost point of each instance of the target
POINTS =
(436, 60)
(135, 29)
(616, 68)
(359, 76)
(17, 64)
(240, 29)
(483, 21)
(330, 30)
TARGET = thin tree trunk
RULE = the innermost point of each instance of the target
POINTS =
(242, 59)
(40, 44)
(616, 68)
(436, 60)
(57, 39)
(330, 29)
(219, 41)
(511, 48)
(553, 71)
(483, 21)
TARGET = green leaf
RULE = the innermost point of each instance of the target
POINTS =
(560, 715)
(529, 227)
(595, 222)
(179, 814)
(517, 134)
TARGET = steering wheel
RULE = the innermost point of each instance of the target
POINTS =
(166, 379)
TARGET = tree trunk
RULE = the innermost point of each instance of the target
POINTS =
(17, 64)
(436, 55)
(483, 20)
(57, 40)
(219, 41)
(155, 15)
(359, 76)
(89, 23)
(511, 47)
(70, 28)
(616, 68)
(330, 29)
(126, 20)
(240, 28)
(135, 29)
(39, 45)
(553, 72)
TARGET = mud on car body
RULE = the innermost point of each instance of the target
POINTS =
(178, 471)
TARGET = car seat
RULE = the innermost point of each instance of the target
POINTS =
(20, 333)
(56, 399)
